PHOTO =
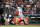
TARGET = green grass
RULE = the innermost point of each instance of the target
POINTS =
(19, 26)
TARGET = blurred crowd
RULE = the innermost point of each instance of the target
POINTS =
(29, 7)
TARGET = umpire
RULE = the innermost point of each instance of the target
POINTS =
(2, 21)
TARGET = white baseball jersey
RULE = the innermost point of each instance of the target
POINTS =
(20, 12)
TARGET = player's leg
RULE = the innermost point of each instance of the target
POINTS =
(19, 21)
(11, 22)
(24, 22)
(2, 20)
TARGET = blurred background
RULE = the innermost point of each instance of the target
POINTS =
(30, 8)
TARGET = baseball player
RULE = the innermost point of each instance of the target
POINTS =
(21, 15)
